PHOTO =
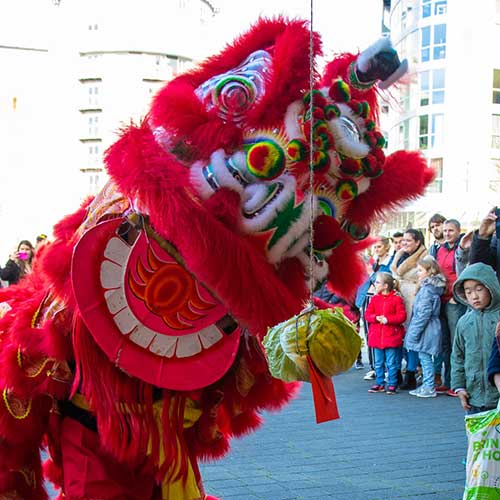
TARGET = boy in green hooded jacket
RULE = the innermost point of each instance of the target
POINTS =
(477, 287)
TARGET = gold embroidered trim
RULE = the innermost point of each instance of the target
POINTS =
(16, 406)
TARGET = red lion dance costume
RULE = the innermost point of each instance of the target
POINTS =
(134, 349)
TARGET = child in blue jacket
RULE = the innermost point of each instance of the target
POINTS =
(424, 334)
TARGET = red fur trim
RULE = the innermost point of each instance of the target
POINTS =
(56, 262)
(15, 481)
(225, 206)
(26, 432)
(143, 171)
(123, 405)
(347, 268)
(178, 109)
(405, 177)
(66, 227)
(339, 68)
(246, 422)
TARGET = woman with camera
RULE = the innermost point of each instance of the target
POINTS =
(19, 264)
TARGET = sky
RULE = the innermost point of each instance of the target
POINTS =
(343, 25)
(339, 23)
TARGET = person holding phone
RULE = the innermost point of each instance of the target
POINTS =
(19, 263)
(485, 246)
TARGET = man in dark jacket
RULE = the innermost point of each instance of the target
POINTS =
(486, 244)
(436, 223)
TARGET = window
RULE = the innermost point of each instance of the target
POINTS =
(496, 86)
(426, 8)
(93, 155)
(432, 84)
(404, 135)
(426, 43)
(433, 42)
(495, 132)
(436, 186)
(93, 125)
(424, 88)
(438, 85)
(431, 131)
(423, 141)
(437, 130)
(440, 8)
(439, 41)
(434, 7)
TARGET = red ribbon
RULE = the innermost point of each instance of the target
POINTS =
(325, 402)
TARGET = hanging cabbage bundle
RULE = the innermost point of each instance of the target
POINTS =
(326, 335)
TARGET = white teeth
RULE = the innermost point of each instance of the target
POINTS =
(125, 321)
(188, 345)
(142, 336)
(163, 345)
(209, 336)
(112, 278)
(111, 275)
(117, 250)
(115, 299)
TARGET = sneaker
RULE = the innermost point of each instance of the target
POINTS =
(376, 388)
(391, 389)
(425, 392)
(369, 375)
(415, 391)
(452, 393)
(442, 389)
(359, 365)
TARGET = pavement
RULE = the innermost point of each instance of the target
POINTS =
(382, 448)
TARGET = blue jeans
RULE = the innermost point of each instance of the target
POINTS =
(450, 314)
(478, 409)
(427, 370)
(411, 359)
(386, 358)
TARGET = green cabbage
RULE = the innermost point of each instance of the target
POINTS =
(326, 335)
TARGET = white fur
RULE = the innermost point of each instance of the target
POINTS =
(363, 61)
(363, 185)
(198, 180)
(253, 193)
(292, 126)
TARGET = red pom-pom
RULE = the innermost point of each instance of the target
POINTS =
(339, 91)
(351, 167)
(327, 233)
(379, 154)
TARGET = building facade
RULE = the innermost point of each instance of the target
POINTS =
(118, 72)
(73, 74)
(449, 105)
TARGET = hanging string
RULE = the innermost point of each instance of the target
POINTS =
(311, 157)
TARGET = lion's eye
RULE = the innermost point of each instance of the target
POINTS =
(349, 128)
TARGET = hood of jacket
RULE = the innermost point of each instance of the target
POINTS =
(437, 282)
(484, 274)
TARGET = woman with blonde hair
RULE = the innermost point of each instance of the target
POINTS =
(404, 269)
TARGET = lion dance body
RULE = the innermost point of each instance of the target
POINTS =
(134, 349)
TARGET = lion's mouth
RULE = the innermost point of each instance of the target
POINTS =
(260, 196)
